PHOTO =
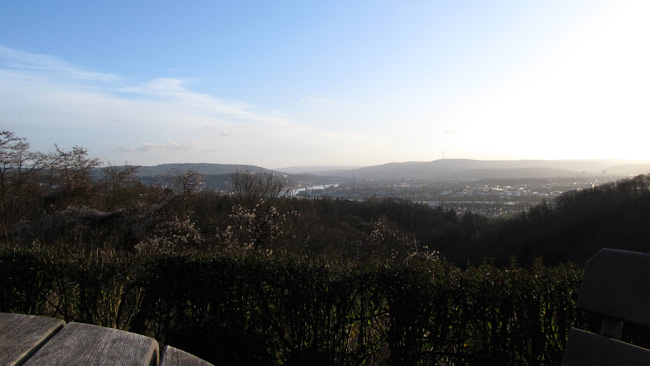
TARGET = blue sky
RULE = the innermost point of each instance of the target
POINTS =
(282, 83)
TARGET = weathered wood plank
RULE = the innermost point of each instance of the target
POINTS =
(616, 284)
(584, 348)
(84, 344)
(175, 357)
(22, 335)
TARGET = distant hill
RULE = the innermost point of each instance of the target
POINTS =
(315, 169)
(482, 169)
(457, 169)
(516, 173)
(201, 168)
(217, 176)
(628, 169)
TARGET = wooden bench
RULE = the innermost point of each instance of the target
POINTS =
(34, 340)
(616, 285)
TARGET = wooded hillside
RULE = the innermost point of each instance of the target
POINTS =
(257, 277)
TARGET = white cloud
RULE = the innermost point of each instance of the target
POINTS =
(586, 99)
(17, 60)
(51, 101)
(168, 145)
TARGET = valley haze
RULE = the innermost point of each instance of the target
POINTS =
(458, 169)
(488, 187)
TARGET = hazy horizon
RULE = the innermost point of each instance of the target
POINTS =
(328, 84)
(325, 168)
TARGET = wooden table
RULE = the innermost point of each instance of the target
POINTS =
(33, 340)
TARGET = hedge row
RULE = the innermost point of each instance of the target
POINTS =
(286, 310)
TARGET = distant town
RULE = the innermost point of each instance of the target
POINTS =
(490, 197)
(487, 187)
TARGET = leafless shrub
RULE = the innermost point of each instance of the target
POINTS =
(249, 188)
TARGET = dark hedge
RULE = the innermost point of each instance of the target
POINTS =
(252, 309)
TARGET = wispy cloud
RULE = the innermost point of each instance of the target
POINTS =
(17, 60)
(161, 120)
(168, 145)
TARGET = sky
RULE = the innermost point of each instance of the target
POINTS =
(294, 83)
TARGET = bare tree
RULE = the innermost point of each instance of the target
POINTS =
(118, 185)
(249, 187)
(70, 175)
(186, 183)
(70, 170)
(18, 167)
